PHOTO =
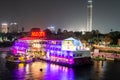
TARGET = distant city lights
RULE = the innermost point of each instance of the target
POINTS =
(4, 24)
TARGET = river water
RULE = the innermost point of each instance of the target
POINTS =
(100, 70)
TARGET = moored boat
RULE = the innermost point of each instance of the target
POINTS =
(68, 51)
(18, 59)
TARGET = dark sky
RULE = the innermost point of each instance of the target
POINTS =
(64, 14)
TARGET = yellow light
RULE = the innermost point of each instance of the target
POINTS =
(21, 65)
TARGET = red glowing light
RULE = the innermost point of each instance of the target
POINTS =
(38, 34)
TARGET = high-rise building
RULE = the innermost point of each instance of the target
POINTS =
(13, 27)
(89, 16)
(4, 28)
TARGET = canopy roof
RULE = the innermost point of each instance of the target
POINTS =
(76, 42)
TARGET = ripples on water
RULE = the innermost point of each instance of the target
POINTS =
(99, 71)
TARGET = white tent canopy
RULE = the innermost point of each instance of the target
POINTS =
(76, 42)
(71, 44)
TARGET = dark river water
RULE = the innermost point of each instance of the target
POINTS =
(100, 70)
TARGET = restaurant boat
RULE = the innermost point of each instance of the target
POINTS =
(69, 52)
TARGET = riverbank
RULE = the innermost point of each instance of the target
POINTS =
(107, 49)
(6, 44)
(95, 56)
(5, 49)
(105, 56)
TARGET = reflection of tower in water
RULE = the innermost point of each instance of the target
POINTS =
(89, 16)
(99, 68)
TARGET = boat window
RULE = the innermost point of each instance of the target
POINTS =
(56, 55)
(62, 55)
(59, 49)
(74, 55)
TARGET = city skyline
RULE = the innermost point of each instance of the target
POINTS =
(64, 14)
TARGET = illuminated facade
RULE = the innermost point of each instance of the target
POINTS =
(69, 51)
(13, 28)
(4, 28)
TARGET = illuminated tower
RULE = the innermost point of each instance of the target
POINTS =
(89, 16)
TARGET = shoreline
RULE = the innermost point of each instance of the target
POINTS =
(5, 49)
(105, 56)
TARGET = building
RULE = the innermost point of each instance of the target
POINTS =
(13, 27)
(4, 28)
(89, 16)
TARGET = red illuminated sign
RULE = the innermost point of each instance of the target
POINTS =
(38, 34)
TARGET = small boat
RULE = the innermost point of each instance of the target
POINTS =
(18, 59)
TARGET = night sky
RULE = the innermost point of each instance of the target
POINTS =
(64, 14)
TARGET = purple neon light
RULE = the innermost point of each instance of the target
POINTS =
(20, 47)
(69, 61)
(53, 50)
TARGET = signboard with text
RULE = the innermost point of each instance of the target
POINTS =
(38, 34)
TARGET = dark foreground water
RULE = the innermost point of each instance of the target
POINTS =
(101, 70)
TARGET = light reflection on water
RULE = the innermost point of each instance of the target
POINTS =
(49, 71)
(101, 70)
